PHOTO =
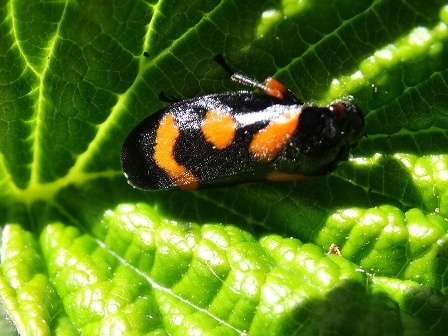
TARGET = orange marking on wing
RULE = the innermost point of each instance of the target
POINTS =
(166, 137)
(269, 141)
(277, 176)
(218, 128)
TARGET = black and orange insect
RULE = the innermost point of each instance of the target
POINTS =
(240, 137)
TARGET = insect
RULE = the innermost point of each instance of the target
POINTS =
(240, 137)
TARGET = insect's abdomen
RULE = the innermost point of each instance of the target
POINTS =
(202, 141)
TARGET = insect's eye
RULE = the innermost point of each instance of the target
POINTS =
(337, 109)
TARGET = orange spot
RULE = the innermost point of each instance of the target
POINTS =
(218, 128)
(166, 137)
(277, 176)
(269, 141)
(274, 88)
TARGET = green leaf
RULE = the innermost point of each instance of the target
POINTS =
(82, 252)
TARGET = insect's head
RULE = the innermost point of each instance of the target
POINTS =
(347, 121)
(324, 138)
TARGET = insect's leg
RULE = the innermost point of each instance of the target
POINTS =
(240, 78)
(167, 98)
(271, 86)
(219, 58)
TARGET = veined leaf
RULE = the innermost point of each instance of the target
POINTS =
(84, 253)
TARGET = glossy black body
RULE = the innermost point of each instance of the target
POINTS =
(323, 138)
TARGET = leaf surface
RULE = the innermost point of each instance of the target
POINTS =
(82, 252)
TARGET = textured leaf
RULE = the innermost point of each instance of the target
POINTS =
(82, 252)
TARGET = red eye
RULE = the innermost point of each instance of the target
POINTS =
(337, 109)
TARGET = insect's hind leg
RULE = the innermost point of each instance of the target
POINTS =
(271, 86)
